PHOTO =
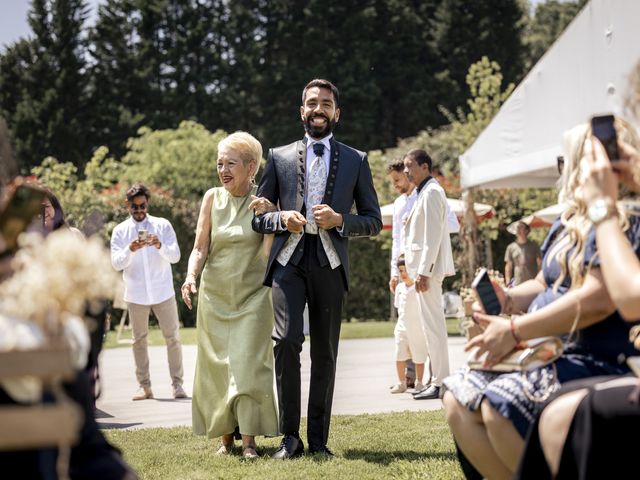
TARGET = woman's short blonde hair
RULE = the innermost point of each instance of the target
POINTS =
(244, 144)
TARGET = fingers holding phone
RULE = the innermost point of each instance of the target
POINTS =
(600, 181)
(153, 241)
(140, 241)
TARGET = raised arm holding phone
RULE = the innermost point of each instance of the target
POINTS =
(593, 424)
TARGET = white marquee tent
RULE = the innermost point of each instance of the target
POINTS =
(584, 73)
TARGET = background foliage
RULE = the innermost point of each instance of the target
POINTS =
(147, 92)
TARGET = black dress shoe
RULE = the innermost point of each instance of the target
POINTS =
(429, 393)
(290, 447)
(322, 451)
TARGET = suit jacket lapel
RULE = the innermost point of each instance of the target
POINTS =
(416, 203)
(301, 154)
(333, 172)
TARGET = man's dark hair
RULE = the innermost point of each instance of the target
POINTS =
(395, 165)
(321, 83)
(400, 262)
(421, 157)
(136, 190)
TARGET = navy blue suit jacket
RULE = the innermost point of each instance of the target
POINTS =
(349, 181)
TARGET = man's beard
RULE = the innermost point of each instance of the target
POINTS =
(318, 132)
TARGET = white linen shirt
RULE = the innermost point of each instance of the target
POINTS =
(147, 271)
(401, 208)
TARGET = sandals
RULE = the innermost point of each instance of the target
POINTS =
(249, 451)
(225, 449)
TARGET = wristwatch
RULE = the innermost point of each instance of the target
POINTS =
(600, 210)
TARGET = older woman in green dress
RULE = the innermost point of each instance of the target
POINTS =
(233, 385)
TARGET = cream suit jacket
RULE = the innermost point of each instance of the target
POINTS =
(427, 246)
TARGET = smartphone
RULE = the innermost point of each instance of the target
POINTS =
(634, 365)
(22, 208)
(142, 235)
(603, 129)
(486, 293)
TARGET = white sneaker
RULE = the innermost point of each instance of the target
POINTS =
(419, 387)
(399, 387)
(178, 392)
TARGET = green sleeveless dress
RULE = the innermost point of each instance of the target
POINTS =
(233, 385)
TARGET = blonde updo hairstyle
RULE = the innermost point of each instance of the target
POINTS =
(574, 218)
(246, 146)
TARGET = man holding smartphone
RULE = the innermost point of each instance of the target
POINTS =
(143, 247)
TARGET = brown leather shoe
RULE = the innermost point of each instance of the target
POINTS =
(142, 393)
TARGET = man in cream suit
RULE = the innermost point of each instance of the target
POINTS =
(428, 257)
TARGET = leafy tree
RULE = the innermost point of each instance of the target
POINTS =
(117, 93)
(181, 160)
(445, 144)
(548, 22)
(46, 108)
(465, 31)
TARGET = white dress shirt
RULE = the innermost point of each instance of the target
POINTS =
(311, 156)
(146, 272)
(401, 208)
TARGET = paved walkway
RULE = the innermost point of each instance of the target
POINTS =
(366, 369)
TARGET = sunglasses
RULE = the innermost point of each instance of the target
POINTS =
(560, 163)
(141, 206)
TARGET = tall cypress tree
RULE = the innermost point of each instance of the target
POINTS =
(118, 96)
(46, 112)
(465, 31)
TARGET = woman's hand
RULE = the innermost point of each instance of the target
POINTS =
(188, 288)
(496, 339)
(261, 205)
(628, 164)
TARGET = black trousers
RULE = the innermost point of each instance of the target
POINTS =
(323, 289)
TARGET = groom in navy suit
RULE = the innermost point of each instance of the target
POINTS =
(315, 182)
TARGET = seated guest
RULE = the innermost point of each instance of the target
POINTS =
(490, 413)
(591, 425)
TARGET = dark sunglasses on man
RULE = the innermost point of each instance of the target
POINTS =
(141, 206)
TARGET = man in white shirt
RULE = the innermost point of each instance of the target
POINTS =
(144, 247)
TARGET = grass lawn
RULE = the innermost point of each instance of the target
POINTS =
(396, 445)
(372, 329)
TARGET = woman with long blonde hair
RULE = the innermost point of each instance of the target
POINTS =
(490, 413)
(592, 425)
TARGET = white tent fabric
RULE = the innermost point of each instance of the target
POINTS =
(584, 73)
(541, 218)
